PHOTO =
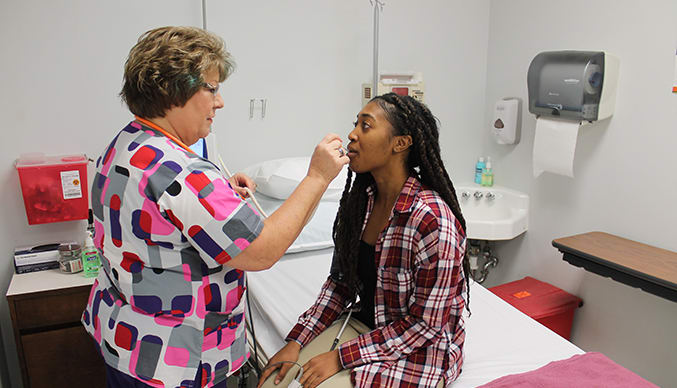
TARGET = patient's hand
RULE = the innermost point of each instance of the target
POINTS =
(320, 368)
(290, 352)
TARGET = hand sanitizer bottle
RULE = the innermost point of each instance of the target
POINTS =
(487, 175)
(90, 258)
(479, 167)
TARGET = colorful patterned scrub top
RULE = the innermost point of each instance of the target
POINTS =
(167, 223)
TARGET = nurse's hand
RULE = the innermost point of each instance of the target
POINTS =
(290, 352)
(239, 181)
(320, 368)
(328, 158)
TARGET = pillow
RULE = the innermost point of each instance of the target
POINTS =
(279, 177)
(317, 232)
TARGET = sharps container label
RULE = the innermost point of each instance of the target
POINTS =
(71, 185)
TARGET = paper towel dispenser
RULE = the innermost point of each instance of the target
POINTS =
(573, 85)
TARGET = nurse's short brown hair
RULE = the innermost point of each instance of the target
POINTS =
(166, 68)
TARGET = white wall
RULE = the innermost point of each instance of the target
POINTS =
(309, 60)
(623, 167)
(62, 70)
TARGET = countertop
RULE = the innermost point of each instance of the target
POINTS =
(48, 280)
(638, 265)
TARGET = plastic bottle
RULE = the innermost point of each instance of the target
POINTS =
(90, 258)
(479, 168)
(90, 222)
(487, 175)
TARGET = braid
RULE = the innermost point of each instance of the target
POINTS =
(348, 226)
(410, 117)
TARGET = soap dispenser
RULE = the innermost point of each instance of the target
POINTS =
(487, 175)
(505, 126)
(479, 168)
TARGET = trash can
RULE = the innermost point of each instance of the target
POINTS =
(547, 304)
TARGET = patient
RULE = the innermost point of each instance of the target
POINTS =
(399, 249)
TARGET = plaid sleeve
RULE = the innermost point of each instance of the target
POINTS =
(433, 304)
(330, 304)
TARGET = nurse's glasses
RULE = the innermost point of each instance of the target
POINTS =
(211, 88)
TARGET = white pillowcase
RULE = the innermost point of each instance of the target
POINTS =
(317, 233)
(279, 177)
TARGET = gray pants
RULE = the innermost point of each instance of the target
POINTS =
(321, 344)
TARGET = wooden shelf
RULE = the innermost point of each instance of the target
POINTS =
(652, 269)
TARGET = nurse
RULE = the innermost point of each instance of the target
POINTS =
(174, 234)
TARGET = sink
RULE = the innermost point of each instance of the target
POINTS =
(493, 213)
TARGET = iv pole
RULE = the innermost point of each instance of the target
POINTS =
(204, 14)
(374, 85)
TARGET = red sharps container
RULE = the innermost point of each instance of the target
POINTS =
(54, 188)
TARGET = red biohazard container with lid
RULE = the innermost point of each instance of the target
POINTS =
(54, 188)
(547, 304)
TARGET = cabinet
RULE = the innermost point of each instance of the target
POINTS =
(54, 349)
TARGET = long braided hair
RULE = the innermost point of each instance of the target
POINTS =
(407, 116)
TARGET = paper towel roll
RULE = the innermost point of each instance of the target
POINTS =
(554, 146)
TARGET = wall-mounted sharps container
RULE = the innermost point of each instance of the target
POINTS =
(54, 188)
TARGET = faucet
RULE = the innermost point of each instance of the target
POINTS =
(490, 196)
(478, 194)
(480, 249)
(465, 195)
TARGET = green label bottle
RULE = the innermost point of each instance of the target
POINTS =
(90, 258)
(487, 175)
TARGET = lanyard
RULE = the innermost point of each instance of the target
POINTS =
(162, 131)
(185, 147)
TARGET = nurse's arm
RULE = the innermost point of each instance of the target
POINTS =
(282, 228)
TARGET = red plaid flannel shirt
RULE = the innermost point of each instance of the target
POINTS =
(419, 299)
